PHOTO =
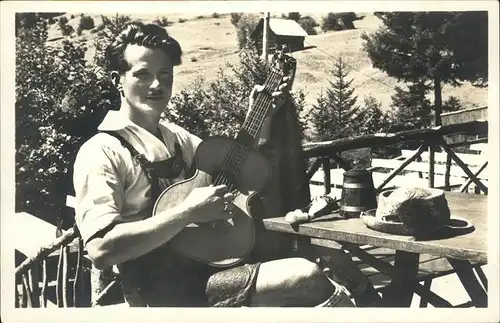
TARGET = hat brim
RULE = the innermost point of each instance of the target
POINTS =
(458, 225)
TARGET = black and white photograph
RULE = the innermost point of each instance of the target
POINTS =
(255, 155)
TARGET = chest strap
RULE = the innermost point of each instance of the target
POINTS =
(169, 168)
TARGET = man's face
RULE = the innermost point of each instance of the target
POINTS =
(147, 85)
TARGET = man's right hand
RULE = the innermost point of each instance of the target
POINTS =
(210, 203)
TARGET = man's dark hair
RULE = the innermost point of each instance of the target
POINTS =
(147, 35)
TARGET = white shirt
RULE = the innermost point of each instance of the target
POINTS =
(110, 186)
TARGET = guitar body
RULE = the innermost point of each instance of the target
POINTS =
(219, 243)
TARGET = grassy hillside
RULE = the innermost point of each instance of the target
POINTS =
(209, 43)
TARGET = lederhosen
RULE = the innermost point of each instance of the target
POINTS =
(164, 277)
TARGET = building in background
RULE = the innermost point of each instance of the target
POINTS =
(281, 32)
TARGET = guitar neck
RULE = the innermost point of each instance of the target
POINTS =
(263, 102)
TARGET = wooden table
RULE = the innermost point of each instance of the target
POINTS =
(461, 249)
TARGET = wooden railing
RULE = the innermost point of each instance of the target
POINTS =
(33, 291)
(28, 273)
(430, 140)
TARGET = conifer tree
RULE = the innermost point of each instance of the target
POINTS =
(373, 118)
(336, 114)
(411, 108)
(437, 47)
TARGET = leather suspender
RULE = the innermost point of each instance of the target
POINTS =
(170, 168)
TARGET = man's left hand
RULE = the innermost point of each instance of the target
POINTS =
(279, 97)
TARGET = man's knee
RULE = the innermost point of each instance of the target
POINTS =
(310, 282)
(304, 283)
(291, 282)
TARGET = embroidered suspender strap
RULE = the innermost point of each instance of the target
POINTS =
(143, 161)
(188, 170)
(168, 168)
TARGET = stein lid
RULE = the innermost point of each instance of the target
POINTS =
(357, 173)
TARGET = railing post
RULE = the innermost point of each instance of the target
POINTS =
(59, 278)
(326, 175)
(342, 163)
(24, 296)
(401, 167)
(34, 278)
(464, 167)
(464, 186)
(17, 295)
(447, 173)
(45, 283)
(419, 159)
(27, 290)
(316, 162)
(432, 149)
(78, 279)
(65, 277)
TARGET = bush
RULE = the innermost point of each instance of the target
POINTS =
(452, 104)
(163, 21)
(410, 108)
(294, 16)
(97, 28)
(373, 118)
(62, 21)
(357, 158)
(182, 20)
(60, 99)
(347, 16)
(235, 17)
(86, 23)
(245, 27)
(215, 15)
(25, 20)
(338, 21)
(308, 24)
(345, 19)
(200, 17)
(113, 26)
(329, 22)
(67, 30)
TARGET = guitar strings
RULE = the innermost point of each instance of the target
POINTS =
(260, 110)
(221, 179)
(256, 123)
(256, 109)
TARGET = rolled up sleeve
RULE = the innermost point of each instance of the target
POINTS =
(98, 189)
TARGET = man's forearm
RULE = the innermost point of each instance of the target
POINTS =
(131, 240)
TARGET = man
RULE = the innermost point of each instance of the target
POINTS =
(115, 193)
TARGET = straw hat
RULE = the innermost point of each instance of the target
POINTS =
(409, 211)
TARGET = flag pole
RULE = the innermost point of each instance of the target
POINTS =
(265, 36)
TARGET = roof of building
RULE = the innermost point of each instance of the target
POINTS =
(283, 27)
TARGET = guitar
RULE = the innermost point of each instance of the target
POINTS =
(238, 164)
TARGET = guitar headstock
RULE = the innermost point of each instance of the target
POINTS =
(283, 64)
